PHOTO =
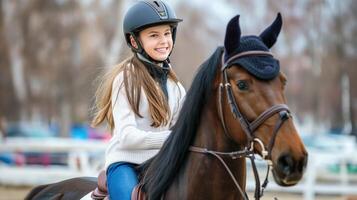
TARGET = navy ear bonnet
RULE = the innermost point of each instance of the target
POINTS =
(261, 66)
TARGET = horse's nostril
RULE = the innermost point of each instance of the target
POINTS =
(286, 164)
(302, 164)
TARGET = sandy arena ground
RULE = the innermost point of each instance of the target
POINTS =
(13, 193)
(19, 193)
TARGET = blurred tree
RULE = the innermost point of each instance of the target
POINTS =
(55, 50)
(341, 49)
(8, 103)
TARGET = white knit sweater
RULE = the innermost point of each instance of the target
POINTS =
(134, 140)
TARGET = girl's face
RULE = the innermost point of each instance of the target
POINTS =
(157, 41)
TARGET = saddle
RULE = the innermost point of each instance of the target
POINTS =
(101, 192)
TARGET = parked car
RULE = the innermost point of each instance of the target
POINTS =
(31, 130)
(84, 131)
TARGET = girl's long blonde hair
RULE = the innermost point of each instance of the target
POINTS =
(135, 78)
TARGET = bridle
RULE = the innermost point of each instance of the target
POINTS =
(248, 127)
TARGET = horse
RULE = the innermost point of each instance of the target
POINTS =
(235, 109)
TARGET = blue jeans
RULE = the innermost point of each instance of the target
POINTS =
(121, 180)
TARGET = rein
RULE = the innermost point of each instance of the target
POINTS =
(248, 127)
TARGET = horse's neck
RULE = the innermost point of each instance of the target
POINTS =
(205, 173)
(208, 179)
(210, 133)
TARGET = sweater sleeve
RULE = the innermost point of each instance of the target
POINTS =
(182, 92)
(126, 129)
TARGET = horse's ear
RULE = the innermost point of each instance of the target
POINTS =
(232, 38)
(271, 33)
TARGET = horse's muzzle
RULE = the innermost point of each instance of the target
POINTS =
(289, 170)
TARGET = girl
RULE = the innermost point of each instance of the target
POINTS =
(140, 98)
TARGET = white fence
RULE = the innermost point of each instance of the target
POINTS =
(85, 158)
(317, 179)
(337, 152)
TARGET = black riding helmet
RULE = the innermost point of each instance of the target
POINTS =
(144, 14)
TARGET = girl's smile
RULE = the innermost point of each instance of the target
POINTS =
(162, 50)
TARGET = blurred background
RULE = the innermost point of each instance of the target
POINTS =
(52, 52)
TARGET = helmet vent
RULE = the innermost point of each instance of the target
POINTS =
(157, 4)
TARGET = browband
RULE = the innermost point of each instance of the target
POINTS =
(246, 53)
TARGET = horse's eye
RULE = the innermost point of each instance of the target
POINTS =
(243, 85)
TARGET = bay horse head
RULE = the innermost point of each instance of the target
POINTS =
(255, 98)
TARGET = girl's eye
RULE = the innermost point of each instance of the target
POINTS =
(243, 85)
(153, 35)
(168, 33)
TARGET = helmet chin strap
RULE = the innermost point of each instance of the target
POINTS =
(150, 61)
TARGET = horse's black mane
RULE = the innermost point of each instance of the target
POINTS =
(159, 172)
